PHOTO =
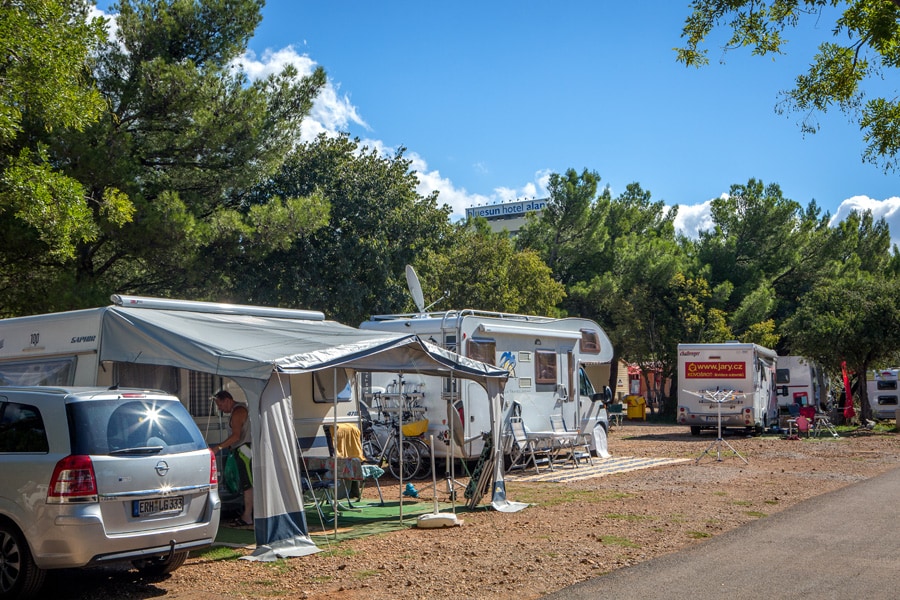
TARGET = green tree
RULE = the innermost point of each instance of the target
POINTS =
(185, 137)
(378, 223)
(570, 233)
(855, 318)
(767, 250)
(483, 270)
(45, 50)
(864, 48)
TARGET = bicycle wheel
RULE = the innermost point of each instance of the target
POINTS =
(424, 458)
(411, 460)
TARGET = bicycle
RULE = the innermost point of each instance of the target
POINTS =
(381, 444)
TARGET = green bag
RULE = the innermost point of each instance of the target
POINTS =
(232, 478)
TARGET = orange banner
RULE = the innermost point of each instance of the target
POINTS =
(715, 370)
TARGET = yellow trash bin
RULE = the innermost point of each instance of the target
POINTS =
(636, 407)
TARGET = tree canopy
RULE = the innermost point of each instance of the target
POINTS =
(861, 48)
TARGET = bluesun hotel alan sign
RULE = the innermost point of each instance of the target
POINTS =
(506, 210)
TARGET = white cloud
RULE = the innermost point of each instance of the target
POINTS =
(693, 218)
(888, 209)
(331, 112)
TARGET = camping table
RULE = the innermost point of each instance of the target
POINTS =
(823, 423)
(552, 439)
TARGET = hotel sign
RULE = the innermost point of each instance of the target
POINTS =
(509, 209)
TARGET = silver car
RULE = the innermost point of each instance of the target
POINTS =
(93, 476)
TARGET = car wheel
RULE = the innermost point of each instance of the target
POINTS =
(160, 565)
(19, 576)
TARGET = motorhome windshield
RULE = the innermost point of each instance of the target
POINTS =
(586, 388)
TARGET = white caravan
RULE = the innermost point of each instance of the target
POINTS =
(556, 367)
(884, 394)
(731, 381)
(64, 349)
(802, 381)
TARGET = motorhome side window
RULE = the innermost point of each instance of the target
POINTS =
(886, 385)
(590, 341)
(22, 429)
(482, 349)
(545, 366)
(57, 371)
(783, 376)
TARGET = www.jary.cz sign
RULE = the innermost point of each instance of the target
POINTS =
(715, 370)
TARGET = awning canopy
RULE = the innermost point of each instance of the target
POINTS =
(249, 346)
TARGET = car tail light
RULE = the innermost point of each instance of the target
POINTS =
(213, 469)
(73, 481)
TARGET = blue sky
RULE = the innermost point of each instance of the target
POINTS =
(488, 98)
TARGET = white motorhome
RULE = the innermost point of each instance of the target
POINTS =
(732, 381)
(883, 392)
(802, 381)
(556, 366)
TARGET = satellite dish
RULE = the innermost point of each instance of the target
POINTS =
(415, 288)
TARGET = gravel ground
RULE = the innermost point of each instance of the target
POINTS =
(572, 531)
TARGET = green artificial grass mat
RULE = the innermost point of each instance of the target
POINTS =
(370, 519)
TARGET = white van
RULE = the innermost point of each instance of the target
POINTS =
(883, 392)
(556, 366)
(802, 381)
(731, 381)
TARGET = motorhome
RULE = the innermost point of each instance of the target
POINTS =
(883, 392)
(802, 381)
(556, 366)
(731, 385)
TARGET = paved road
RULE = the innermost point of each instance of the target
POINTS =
(841, 545)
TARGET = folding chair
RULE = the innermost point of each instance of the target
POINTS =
(346, 442)
(615, 412)
(527, 449)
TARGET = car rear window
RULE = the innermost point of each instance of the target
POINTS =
(145, 426)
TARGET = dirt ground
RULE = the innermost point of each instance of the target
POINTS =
(573, 531)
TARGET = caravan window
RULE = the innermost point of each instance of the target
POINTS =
(330, 383)
(57, 371)
(482, 349)
(886, 385)
(202, 386)
(783, 376)
(545, 366)
(148, 377)
(590, 341)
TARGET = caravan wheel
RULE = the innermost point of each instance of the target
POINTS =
(695, 430)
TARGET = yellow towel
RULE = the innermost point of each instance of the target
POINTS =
(348, 441)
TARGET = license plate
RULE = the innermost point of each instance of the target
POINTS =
(157, 506)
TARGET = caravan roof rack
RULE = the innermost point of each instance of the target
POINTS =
(216, 308)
